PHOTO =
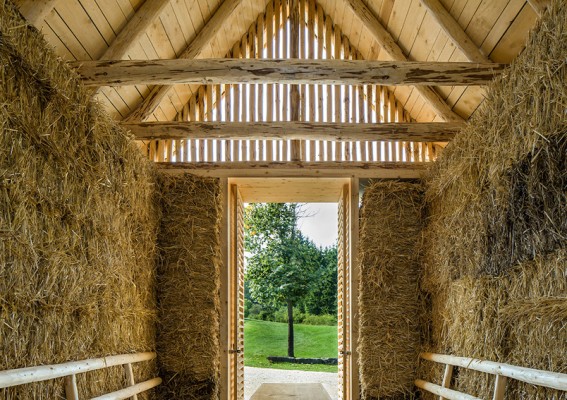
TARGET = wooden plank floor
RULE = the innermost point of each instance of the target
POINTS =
(299, 391)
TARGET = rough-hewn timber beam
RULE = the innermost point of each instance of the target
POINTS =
(193, 50)
(539, 6)
(384, 38)
(410, 132)
(294, 71)
(134, 29)
(455, 31)
(36, 11)
(393, 170)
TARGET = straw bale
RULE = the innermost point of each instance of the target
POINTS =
(519, 318)
(509, 165)
(78, 222)
(390, 305)
(495, 242)
(188, 287)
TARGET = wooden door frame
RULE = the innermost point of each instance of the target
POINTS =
(226, 287)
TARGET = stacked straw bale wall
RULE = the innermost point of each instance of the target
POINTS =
(188, 287)
(390, 305)
(495, 254)
(78, 223)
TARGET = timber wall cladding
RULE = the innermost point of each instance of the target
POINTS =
(189, 287)
(271, 36)
(495, 257)
(389, 297)
(78, 223)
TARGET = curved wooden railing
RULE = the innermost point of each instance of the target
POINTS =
(554, 380)
(69, 370)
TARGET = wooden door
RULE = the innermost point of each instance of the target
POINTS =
(236, 296)
(347, 287)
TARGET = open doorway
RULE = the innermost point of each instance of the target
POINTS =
(343, 191)
(290, 305)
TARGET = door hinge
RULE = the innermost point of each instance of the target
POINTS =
(234, 351)
(346, 353)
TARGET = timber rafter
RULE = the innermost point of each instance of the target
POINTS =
(383, 37)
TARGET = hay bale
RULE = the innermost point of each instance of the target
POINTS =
(509, 164)
(188, 287)
(78, 223)
(494, 254)
(389, 300)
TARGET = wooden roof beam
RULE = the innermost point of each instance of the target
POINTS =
(35, 11)
(411, 132)
(134, 29)
(193, 50)
(455, 31)
(386, 170)
(385, 40)
(292, 71)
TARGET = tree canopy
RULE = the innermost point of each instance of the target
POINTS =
(284, 268)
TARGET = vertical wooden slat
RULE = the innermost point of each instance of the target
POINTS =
(71, 391)
(347, 99)
(185, 143)
(295, 36)
(392, 118)
(400, 118)
(209, 117)
(338, 90)
(260, 88)
(277, 54)
(320, 88)
(329, 39)
(285, 54)
(218, 113)
(201, 117)
(130, 378)
(447, 375)
(193, 117)
(361, 113)
(236, 103)
(384, 99)
(371, 117)
(499, 387)
(270, 89)
(252, 47)
(244, 90)
(303, 53)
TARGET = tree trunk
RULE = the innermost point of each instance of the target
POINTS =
(290, 344)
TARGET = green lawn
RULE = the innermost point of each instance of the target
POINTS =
(264, 338)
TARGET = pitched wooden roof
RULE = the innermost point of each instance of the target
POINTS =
(421, 30)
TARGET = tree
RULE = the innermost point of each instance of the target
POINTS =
(282, 262)
(322, 298)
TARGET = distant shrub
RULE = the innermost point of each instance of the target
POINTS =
(325, 319)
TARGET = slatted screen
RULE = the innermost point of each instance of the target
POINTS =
(269, 37)
(237, 297)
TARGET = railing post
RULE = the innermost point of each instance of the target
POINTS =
(447, 378)
(71, 391)
(499, 387)
(130, 378)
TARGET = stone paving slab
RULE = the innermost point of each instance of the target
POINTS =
(254, 377)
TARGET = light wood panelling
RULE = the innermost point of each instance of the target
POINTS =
(84, 29)
(282, 190)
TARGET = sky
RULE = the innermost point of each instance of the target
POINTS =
(322, 226)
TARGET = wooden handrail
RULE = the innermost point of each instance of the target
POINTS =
(69, 370)
(130, 391)
(448, 394)
(554, 380)
(15, 377)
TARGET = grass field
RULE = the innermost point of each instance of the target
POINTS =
(264, 338)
